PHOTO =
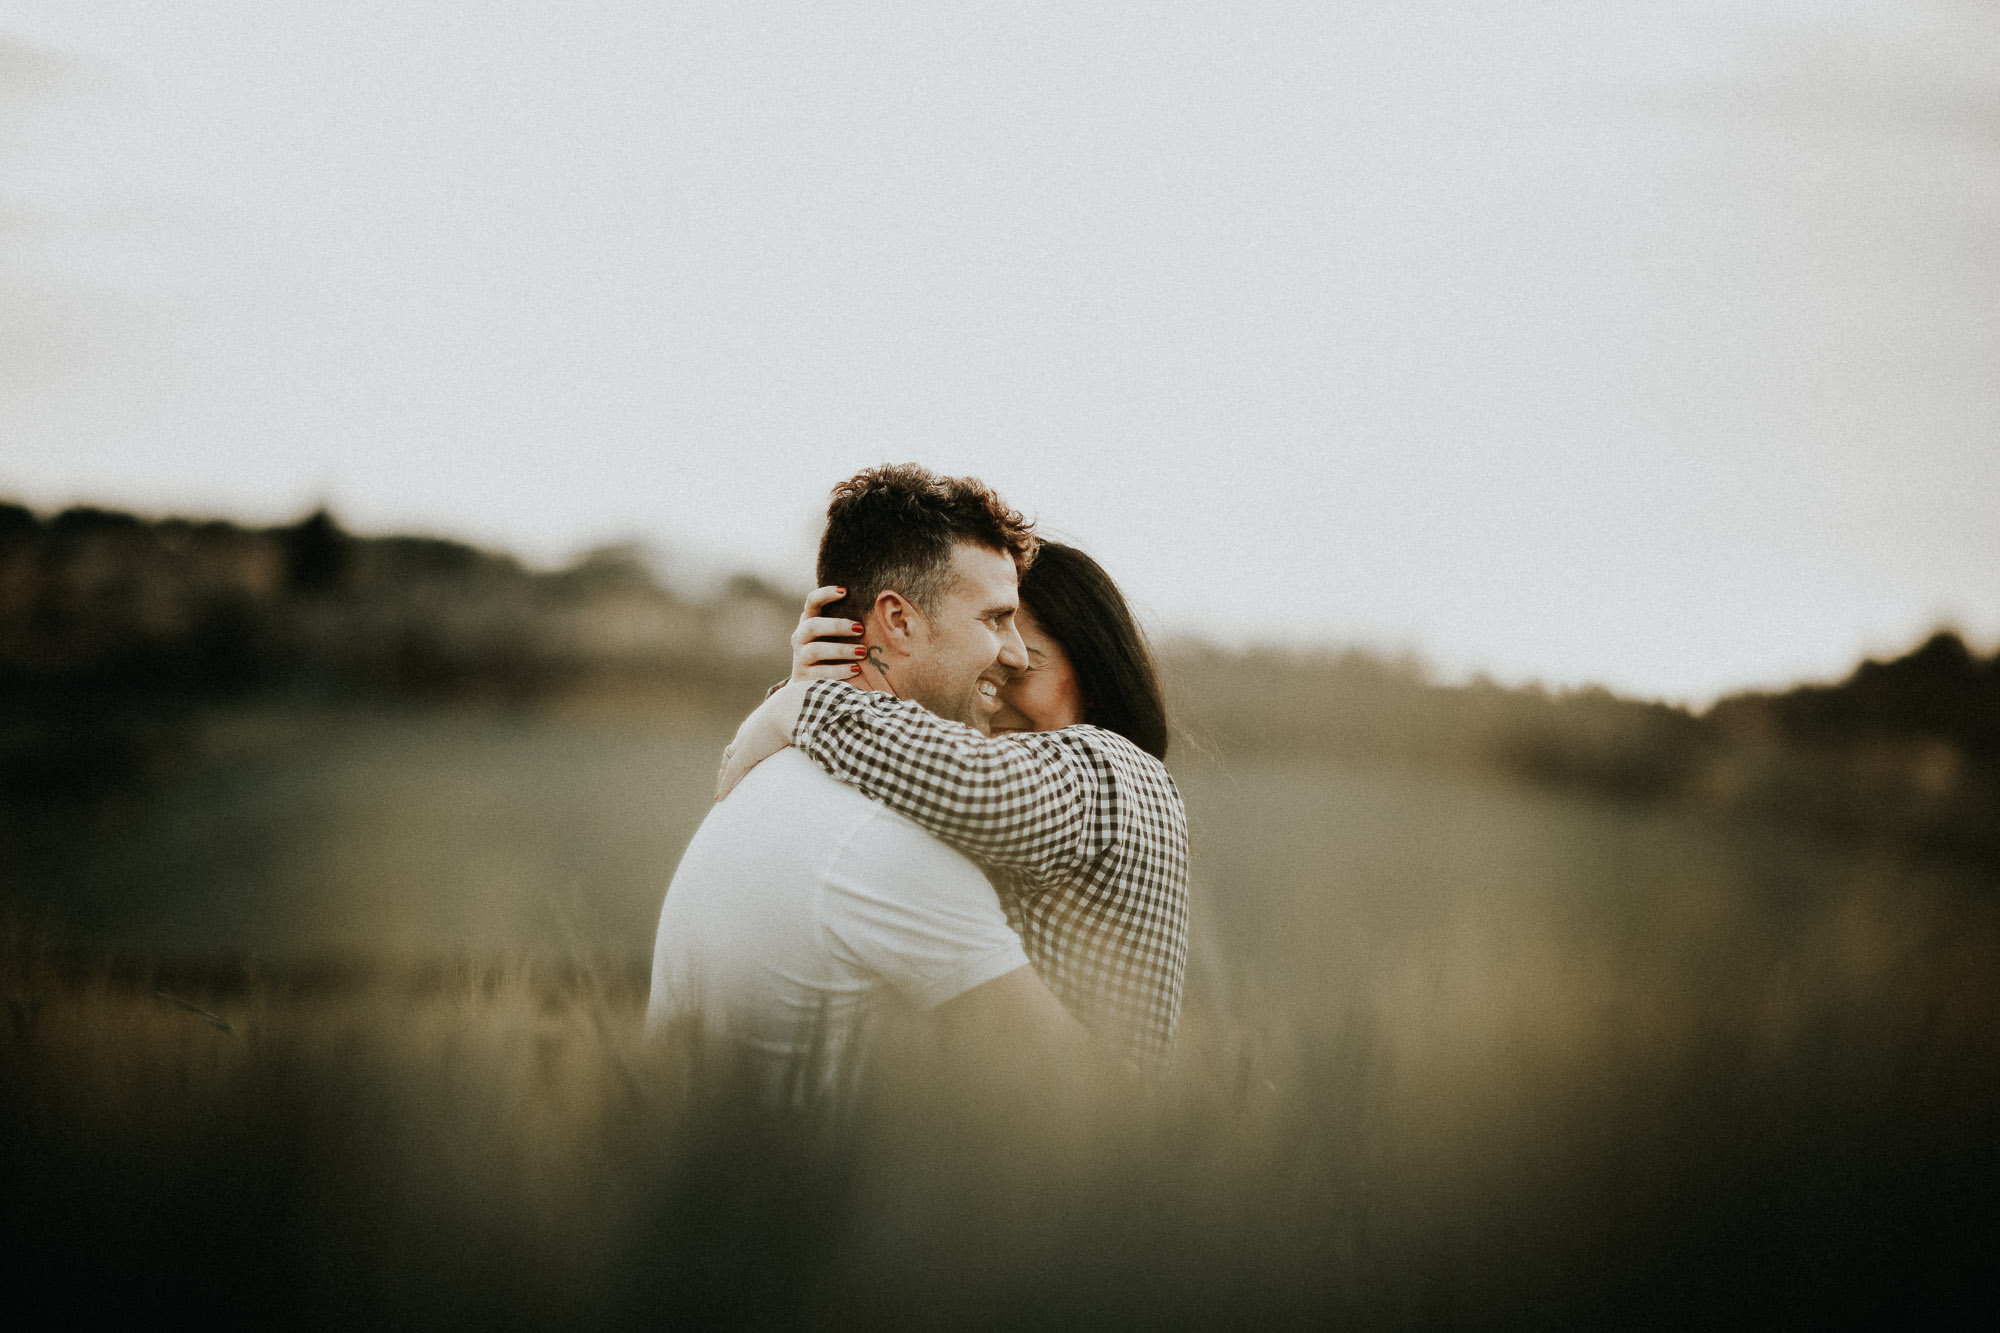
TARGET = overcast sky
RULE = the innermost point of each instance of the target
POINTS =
(1647, 343)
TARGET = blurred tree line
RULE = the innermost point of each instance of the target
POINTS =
(1903, 752)
(114, 630)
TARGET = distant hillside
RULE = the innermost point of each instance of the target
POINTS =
(1905, 751)
(99, 600)
(115, 630)
(1356, 705)
(1941, 693)
(113, 626)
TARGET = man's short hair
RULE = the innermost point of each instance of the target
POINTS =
(892, 528)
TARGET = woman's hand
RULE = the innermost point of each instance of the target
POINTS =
(818, 650)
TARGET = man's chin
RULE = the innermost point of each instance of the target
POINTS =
(1006, 720)
(973, 713)
(977, 709)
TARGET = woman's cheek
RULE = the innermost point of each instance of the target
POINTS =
(1011, 716)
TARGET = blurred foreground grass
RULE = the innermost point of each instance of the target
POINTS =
(1458, 1053)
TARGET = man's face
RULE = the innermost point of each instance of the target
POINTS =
(970, 648)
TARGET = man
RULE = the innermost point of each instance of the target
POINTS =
(802, 908)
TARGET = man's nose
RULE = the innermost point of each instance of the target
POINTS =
(1013, 653)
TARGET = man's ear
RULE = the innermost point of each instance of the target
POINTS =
(895, 623)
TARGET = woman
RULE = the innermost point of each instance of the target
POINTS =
(1068, 805)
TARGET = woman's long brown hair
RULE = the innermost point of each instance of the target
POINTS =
(1078, 606)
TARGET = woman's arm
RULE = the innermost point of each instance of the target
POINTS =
(765, 732)
(1032, 802)
(1038, 803)
(817, 654)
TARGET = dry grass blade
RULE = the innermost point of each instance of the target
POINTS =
(220, 1024)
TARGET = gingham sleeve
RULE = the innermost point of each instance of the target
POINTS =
(1028, 802)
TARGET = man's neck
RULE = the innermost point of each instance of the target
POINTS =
(876, 672)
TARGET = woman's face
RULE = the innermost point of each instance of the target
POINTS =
(1045, 697)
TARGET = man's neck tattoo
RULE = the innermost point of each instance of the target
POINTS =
(881, 667)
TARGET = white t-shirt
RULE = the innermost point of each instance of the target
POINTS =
(800, 905)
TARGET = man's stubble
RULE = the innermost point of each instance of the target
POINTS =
(959, 701)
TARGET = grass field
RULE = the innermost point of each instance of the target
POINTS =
(343, 1023)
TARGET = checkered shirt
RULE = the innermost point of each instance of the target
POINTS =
(1083, 833)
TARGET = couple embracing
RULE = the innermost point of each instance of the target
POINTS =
(955, 809)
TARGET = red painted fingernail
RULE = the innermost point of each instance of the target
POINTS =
(861, 652)
(860, 629)
(855, 669)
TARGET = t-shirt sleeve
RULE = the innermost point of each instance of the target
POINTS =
(906, 907)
